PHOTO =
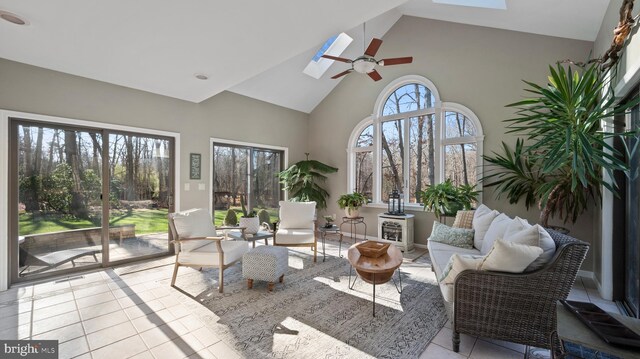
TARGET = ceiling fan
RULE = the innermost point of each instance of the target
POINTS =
(366, 63)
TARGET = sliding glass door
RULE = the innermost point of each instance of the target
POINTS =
(59, 207)
(83, 198)
(139, 195)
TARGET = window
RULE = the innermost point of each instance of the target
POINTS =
(413, 140)
(242, 170)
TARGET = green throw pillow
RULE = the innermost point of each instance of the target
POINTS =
(459, 237)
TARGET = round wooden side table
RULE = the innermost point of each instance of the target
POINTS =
(375, 270)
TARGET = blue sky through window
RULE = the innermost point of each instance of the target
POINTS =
(324, 48)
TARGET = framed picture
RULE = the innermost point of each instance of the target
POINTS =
(195, 166)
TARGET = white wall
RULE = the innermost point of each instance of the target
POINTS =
(31, 89)
(478, 67)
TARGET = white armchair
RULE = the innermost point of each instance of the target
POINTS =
(297, 227)
(197, 243)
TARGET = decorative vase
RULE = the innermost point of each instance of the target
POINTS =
(251, 224)
(353, 213)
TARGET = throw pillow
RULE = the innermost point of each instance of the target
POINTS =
(496, 230)
(464, 219)
(535, 236)
(510, 257)
(458, 237)
(458, 263)
(482, 219)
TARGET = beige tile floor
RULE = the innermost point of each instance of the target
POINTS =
(133, 313)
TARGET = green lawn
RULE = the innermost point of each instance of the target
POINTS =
(146, 221)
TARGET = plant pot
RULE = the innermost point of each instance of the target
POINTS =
(353, 213)
(251, 224)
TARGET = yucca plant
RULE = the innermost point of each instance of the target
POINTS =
(558, 162)
(302, 181)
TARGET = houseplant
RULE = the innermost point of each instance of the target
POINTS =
(302, 181)
(248, 220)
(559, 162)
(351, 203)
(446, 198)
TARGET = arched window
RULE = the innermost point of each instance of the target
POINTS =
(413, 140)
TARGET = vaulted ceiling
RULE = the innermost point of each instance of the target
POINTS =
(249, 47)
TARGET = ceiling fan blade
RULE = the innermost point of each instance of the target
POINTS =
(375, 75)
(374, 45)
(396, 61)
(341, 59)
(341, 74)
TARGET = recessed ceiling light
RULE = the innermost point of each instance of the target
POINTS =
(12, 18)
(201, 76)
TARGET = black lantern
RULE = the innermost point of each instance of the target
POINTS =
(395, 206)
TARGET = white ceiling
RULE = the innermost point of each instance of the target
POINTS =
(249, 47)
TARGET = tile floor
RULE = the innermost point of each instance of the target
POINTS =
(133, 313)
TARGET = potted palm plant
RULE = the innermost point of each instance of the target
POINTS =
(351, 203)
(447, 199)
(559, 164)
(302, 181)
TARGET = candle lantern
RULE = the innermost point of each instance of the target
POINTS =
(395, 206)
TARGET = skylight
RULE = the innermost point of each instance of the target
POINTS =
(487, 4)
(334, 46)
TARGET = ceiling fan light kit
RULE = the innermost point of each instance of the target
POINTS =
(366, 64)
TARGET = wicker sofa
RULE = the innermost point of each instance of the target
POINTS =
(519, 308)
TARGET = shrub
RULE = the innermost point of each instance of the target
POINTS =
(264, 217)
(231, 219)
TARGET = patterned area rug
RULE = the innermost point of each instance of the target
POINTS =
(315, 315)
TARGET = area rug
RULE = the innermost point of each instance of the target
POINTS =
(315, 315)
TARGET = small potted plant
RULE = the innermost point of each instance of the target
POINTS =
(351, 203)
(329, 221)
(249, 220)
(447, 199)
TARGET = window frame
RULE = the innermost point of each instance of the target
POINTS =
(440, 141)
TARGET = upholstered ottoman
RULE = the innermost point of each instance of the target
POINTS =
(267, 263)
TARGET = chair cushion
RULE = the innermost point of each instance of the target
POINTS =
(496, 230)
(295, 236)
(207, 255)
(297, 214)
(482, 219)
(193, 223)
(458, 237)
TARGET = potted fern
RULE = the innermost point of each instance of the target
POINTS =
(447, 199)
(351, 203)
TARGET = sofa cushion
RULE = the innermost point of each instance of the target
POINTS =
(496, 230)
(464, 219)
(297, 214)
(482, 219)
(510, 257)
(458, 237)
(440, 254)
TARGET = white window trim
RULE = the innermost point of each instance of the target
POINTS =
(223, 141)
(5, 115)
(440, 141)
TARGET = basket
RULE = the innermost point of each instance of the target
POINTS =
(372, 249)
